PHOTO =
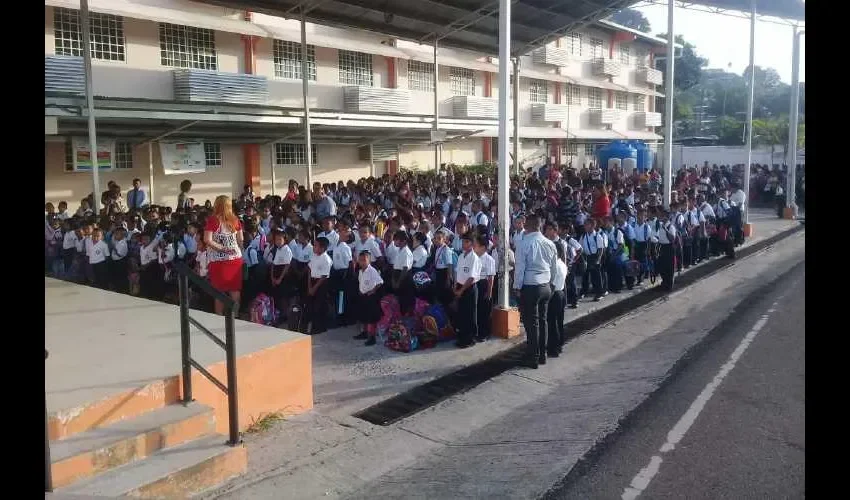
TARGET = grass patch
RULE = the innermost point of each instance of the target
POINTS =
(264, 423)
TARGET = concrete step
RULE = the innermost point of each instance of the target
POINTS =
(175, 472)
(95, 451)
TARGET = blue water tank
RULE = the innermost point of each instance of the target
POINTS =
(615, 149)
(644, 155)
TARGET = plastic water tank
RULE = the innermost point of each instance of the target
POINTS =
(620, 150)
(629, 166)
(644, 155)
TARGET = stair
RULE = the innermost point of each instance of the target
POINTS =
(169, 451)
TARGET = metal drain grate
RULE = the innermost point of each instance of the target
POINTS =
(429, 394)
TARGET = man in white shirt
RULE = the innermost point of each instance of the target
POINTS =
(467, 273)
(738, 205)
(317, 286)
(485, 287)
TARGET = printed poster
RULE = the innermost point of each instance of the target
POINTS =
(82, 155)
(182, 157)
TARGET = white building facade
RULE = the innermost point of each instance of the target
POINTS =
(166, 71)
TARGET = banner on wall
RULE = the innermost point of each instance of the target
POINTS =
(182, 157)
(82, 154)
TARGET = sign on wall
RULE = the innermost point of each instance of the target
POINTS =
(182, 157)
(82, 154)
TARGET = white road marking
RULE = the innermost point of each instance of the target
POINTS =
(641, 481)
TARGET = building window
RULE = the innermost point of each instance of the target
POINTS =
(589, 149)
(69, 155)
(597, 48)
(355, 68)
(123, 155)
(420, 76)
(570, 150)
(594, 98)
(187, 47)
(538, 91)
(575, 95)
(574, 44)
(622, 101)
(640, 102)
(625, 54)
(106, 34)
(293, 154)
(640, 57)
(212, 154)
(287, 60)
(462, 81)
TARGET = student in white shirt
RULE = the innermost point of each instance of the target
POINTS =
(555, 314)
(592, 248)
(644, 233)
(485, 287)
(118, 265)
(317, 286)
(467, 273)
(420, 253)
(98, 254)
(150, 273)
(368, 243)
(341, 275)
(402, 275)
(444, 263)
(369, 289)
(69, 247)
(329, 233)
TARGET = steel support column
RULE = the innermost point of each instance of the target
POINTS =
(503, 181)
(791, 191)
(308, 140)
(750, 97)
(515, 62)
(95, 167)
(436, 107)
(667, 178)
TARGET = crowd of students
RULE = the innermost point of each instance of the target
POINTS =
(337, 249)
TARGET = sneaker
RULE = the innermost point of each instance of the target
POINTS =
(371, 341)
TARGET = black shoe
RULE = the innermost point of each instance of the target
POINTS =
(361, 336)
(529, 363)
(554, 354)
(541, 360)
(573, 306)
(371, 341)
(481, 339)
(464, 345)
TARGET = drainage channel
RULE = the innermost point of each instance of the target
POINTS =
(429, 394)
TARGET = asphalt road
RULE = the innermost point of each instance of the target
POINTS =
(729, 425)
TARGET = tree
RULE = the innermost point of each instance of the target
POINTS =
(631, 18)
(688, 68)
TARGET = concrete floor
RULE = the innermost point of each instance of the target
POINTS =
(102, 343)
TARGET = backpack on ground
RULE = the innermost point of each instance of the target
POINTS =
(400, 338)
(262, 310)
(436, 324)
(296, 315)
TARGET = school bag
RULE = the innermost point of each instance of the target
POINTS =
(295, 316)
(435, 323)
(262, 310)
(391, 311)
(400, 337)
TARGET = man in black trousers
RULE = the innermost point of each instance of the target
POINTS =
(535, 259)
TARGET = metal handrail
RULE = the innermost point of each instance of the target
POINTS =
(48, 475)
(184, 275)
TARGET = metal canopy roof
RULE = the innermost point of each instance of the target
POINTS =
(467, 24)
(786, 9)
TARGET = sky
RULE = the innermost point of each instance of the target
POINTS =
(773, 41)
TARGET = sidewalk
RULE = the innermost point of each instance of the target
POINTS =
(349, 377)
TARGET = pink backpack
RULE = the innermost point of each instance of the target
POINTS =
(263, 311)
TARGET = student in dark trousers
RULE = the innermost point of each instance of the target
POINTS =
(665, 232)
(643, 237)
(316, 300)
(535, 258)
(466, 294)
(485, 286)
(592, 248)
(555, 314)
(614, 264)
(118, 263)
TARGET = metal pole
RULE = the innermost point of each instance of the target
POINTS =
(150, 170)
(84, 21)
(667, 177)
(371, 160)
(48, 474)
(791, 199)
(308, 140)
(504, 179)
(232, 393)
(271, 163)
(517, 165)
(436, 107)
(185, 342)
(750, 97)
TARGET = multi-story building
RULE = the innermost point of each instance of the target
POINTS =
(172, 70)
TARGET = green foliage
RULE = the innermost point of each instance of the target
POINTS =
(631, 18)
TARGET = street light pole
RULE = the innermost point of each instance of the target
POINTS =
(790, 192)
(667, 179)
(751, 97)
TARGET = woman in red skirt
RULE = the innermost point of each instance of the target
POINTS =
(223, 238)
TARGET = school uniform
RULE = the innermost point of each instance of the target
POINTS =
(684, 241)
(280, 257)
(697, 220)
(69, 251)
(616, 241)
(319, 267)
(341, 281)
(369, 306)
(485, 299)
(98, 255)
(332, 237)
(371, 245)
(571, 294)
(444, 262)
(466, 318)
(665, 234)
(643, 235)
(150, 274)
(405, 292)
(555, 314)
(301, 255)
(591, 244)
(118, 267)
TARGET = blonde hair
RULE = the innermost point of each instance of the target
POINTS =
(223, 211)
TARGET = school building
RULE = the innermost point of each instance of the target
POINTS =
(167, 73)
